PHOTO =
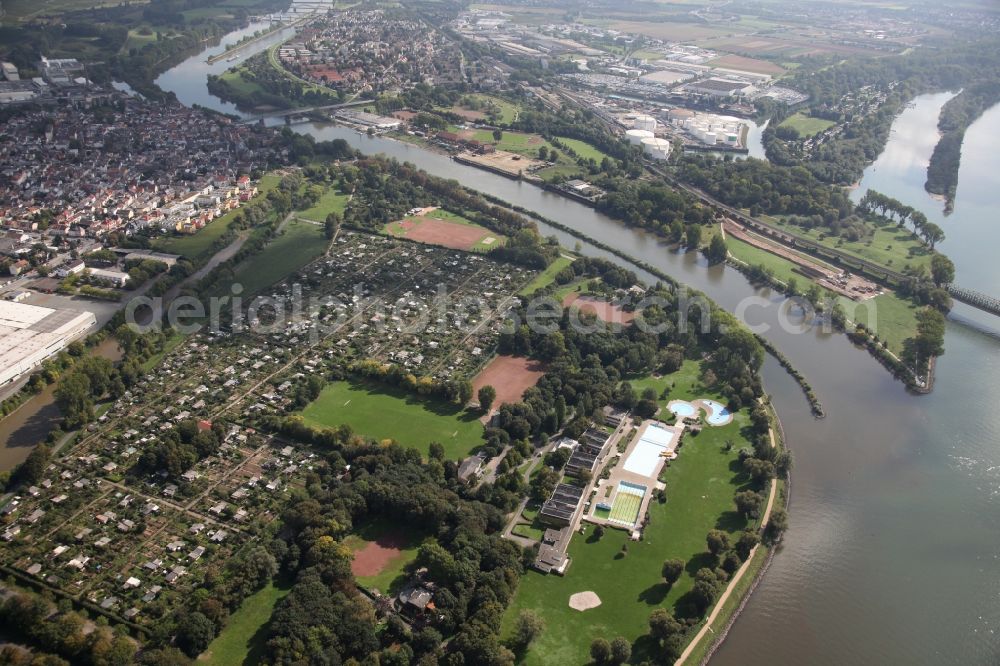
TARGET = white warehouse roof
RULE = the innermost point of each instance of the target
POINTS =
(29, 334)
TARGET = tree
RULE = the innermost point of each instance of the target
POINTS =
(716, 252)
(942, 270)
(600, 650)
(776, 525)
(527, 627)
(332, 224)
(748, 539)
(543, 483)
(672, 570)
(749, 503)
(487, 394)
(497, 135)
(194, 633)
(621, 650)
(662, 625)
(718, 542)
(692, 236)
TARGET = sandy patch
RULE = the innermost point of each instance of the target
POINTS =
(582, 601)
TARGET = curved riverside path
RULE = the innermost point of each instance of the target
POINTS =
(735, 580)
(854, 574)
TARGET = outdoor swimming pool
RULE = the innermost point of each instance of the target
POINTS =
(645, 457)
(719, 414)
(628, 501)
(682, 409)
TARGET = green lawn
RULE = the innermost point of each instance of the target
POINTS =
(685, 384)
(168, 346)
(783, 269)
(242, 639)
(408, 540)
(195, 246)
(892, 318)
(701, 484)
(583, 149)
(515, 142)
(546, 277)
(332, 201)
(888, 246)
(383, 412)
(508, 110)
(299, 243)
(807, 125)
(244, 85)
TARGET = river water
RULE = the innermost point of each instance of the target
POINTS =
(893, 555)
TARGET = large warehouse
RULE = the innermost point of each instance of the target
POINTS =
(29, 334)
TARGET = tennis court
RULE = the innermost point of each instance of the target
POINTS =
(628, 501)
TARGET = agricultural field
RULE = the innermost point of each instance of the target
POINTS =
(807, 125)
(700, 484)
(383, 412)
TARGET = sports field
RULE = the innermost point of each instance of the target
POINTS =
(440, 227)
(511, 376)
(381, 551)
(383, 412)
(807, 125)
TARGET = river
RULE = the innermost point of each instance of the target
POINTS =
(32, 421)
(893, 554)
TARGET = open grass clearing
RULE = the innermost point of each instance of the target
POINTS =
(583, 149)
(298, 244)
(548, 276)
(807, 125)
(332, 201)
(242, 639)
(385, 412)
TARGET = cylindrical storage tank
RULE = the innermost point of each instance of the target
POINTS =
(681, 114)
(658, 149)
(644, 123)
(635, 136)
(710, 138)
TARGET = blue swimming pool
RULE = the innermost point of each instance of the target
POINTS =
(682, 409)
(719, 414)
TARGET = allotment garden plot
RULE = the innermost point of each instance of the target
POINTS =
(178, 477)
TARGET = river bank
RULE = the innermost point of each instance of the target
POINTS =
(869, 477)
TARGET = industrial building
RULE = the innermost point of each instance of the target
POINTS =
(29, 334)
(562, 507)
(719, 87)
